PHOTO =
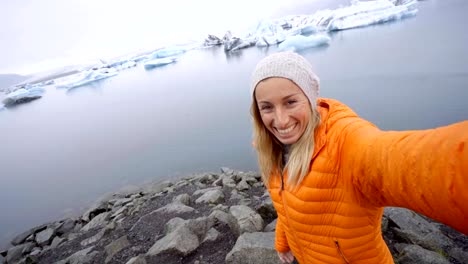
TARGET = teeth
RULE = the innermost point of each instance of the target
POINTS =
(285, 131)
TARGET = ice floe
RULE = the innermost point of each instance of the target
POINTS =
(299, 42)
(23, 95)
(87, 77)
(150, 64)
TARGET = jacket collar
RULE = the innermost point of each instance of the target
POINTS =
(320, 135)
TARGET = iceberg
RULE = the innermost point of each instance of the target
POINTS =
(87, 77)
(299, 42)
(159, 62)
(23, 95)
(363, 13)
(167, 52)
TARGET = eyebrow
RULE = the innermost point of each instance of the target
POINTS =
(284, 98)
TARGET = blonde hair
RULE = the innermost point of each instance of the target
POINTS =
(270, 150)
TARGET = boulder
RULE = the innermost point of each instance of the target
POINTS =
(271, 226)
(211, 236)
(227, 219)
(180, 241)
(93, 239)
(183, 199)
(98, 221)
(248, 219)
(266, 208)
(242, 185)
(137, 260)
(115, 247)
(84, 256)
(158, 187)
(211, 197)
(23, 236)
(66, 226)
(203, 191)
(175, 208)
(56, 242)
(44, 237)
(410, 254)
(15, 253)
(254, 248)
(459, 254)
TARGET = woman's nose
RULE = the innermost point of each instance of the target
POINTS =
(281, 118)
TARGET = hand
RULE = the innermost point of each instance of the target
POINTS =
(286, 257)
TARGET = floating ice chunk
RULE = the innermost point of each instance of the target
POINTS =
(167, 52)
(127, 65)
(2, 106)
(299, 42)
(308, 29)
(88, 77)
(212, 40)
(23, 95)
(159, 62)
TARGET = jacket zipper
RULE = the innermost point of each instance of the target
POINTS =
(337, 244)
(285, 205)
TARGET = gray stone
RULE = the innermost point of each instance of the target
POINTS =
(410, 254)
(44, 237)
(115, 247)
(173, 224)
(415, 229)
(251, 180)
(98, 221)
(81, 257)
(122, 202)
(258, 184)
(15, 253)
(66, 226)
(212, 235)
(228, 181)
(242, 185)
(384, 225)
(203, 191)
(248, 219)
(266, 208)
(227, 171)
(175, 208)
(180, 241)
(56, 242)
(271, 226)
(228, 219)
(95, 210)
(35, 252)
(156, 187)
(93, 239)
(254, 248)
(137, 260)
(23, 236)
(183, 199)
(121, 211)
(28, 247)
(211, 197)
(459, 254)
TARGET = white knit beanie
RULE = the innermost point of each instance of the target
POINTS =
(292, 66)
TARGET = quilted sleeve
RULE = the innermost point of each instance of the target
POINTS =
(281, 242)
(425, 171)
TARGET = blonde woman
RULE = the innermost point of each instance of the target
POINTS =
(330, 173)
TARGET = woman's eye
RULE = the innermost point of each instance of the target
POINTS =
(265, 107)
(291, 102)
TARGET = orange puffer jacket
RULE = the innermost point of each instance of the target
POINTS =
(335, 214)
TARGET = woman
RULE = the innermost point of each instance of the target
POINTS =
(330, 173)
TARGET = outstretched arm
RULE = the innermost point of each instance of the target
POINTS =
(426, 171)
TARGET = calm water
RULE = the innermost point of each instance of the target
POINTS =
(65, 150)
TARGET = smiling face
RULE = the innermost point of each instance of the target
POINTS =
(284, 108)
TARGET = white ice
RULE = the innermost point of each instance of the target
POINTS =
(159, 62)
(167, 52)
(299, 42)
(87, 77)
(22, 95)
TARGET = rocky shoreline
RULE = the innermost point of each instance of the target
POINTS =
(225, 217)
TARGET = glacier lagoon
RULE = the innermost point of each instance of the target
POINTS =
(65, 150)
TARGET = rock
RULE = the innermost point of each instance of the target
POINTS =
(415, 229)
(93, 239)
(248, 219)
(227, 170)
(121, 211)
(459, 254)
(384, 224)
(212, 235)
(410, 254)
(175, 208)
(98, 221)
(271, 226)
(266, 209)
(122, 202)
(44, 237)
(23, 236)
(66, 226)
(15, 253)
(137, 260)
(56, 242)
(180, 241)
(28, 247)
(95, 210)
(156, 187)
(228, 219)
(183, 199)
(258, 184)
(242, 185)
(211, 197)
(81, 257)
(228, 181)
(116, 246)
(254, 248)
(203, 191)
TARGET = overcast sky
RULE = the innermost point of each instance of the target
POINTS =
(39, 35)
